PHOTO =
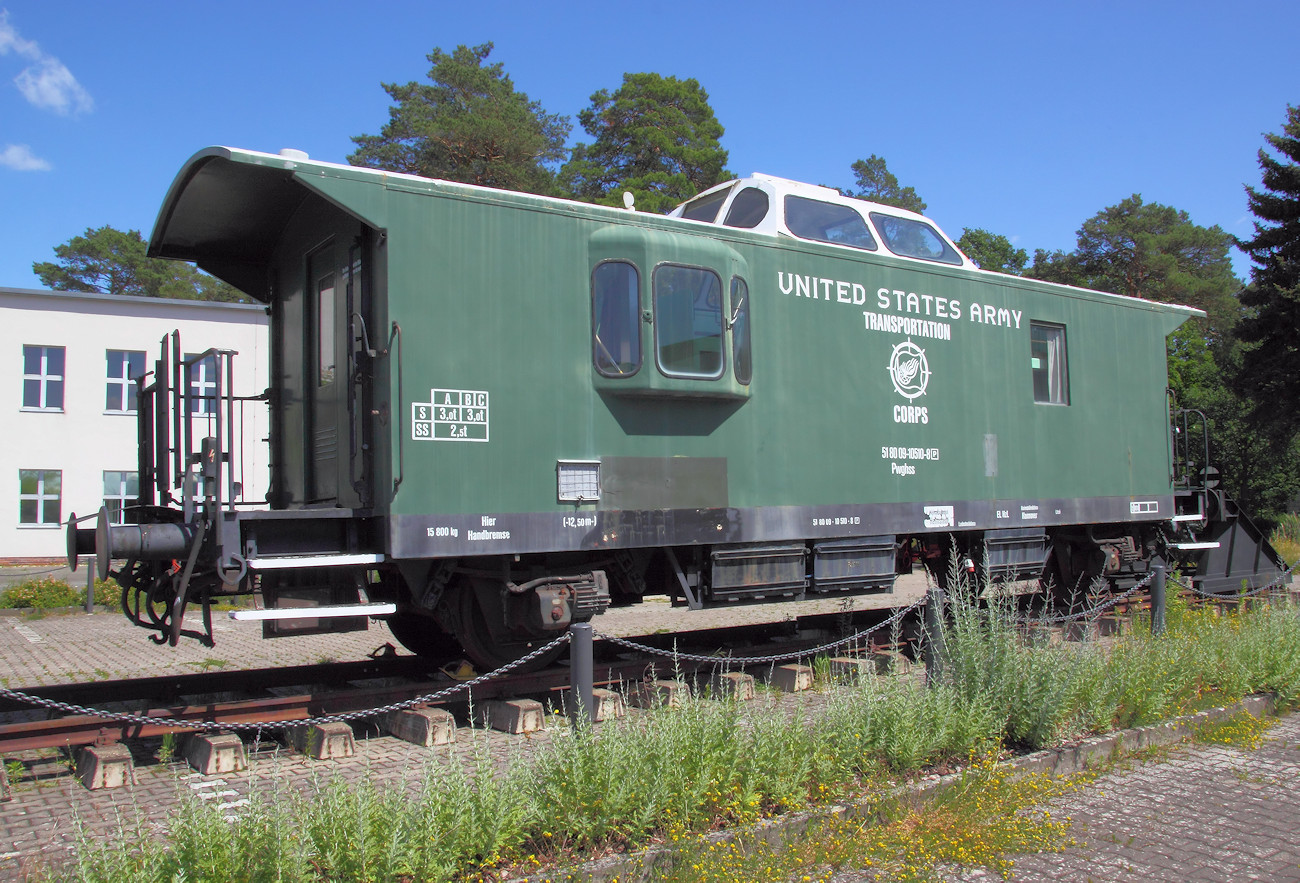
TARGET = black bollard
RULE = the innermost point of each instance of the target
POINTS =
(581, 673)
(1158, 600)
(90, 586)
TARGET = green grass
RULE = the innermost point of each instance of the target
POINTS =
(673, 774)
(1285, 538)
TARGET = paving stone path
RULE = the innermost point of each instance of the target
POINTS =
(1211, 812)
(1207, 813)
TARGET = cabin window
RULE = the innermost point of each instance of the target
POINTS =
(688, 321)
(914, 239)
(325, 306)
(1048, 363)
(705, 208)
(748, 209)
(827, 222)
(616, 319)
(741, 355)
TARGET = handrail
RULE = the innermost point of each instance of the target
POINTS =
(396, 335)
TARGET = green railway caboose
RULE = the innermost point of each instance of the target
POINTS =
(498, 412)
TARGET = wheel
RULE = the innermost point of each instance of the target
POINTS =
(489, 649)
(422, 636)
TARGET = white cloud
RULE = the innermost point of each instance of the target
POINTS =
(50, 85)
(20, 158)
(46, 83)
(9, 40)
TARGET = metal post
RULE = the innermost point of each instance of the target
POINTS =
(934, 635)
(581, 673)
(1158, 600)
(90, 586)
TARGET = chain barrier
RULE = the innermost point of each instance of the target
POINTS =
(1280, 582)
(32, 573)
(1234, 596)
(1095, 610)
(763, 660)
(440, 695)
(206, 725)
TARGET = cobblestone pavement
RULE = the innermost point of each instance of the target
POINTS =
(1210, 812)
(1199, 813)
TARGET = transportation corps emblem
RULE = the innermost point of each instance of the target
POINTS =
(909, 370)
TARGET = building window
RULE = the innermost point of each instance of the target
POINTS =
(40, 496)
(43, 378)
(125, 368)
(688, 321)
(616, 319)
(201, 377)
(121, 489)
(1048, 362)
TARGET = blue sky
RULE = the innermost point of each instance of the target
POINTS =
(1022, 118)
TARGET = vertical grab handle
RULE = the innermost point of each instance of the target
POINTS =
(395, 339)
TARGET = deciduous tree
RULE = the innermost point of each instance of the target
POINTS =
(655, 137)
(112, 261)
(470, 125)
(1152, 251)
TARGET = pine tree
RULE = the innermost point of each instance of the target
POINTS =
(1271, 364)
(471, 125)
(656, 137)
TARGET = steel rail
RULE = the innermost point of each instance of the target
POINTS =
(275, 712)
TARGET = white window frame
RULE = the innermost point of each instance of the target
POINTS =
(45, 378)
(122, 498)
(201, 385)
(121, 386)
(41, 497)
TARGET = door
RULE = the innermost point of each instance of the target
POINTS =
(323, 373)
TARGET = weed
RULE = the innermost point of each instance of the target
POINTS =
(985, 816)
(1285, 538)
(41, 593)
(673, 774)
(167, 750)
(1241, 730)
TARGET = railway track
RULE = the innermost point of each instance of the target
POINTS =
(180, 704)
(284, 695)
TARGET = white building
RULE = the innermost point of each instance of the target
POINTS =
(70, 443)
